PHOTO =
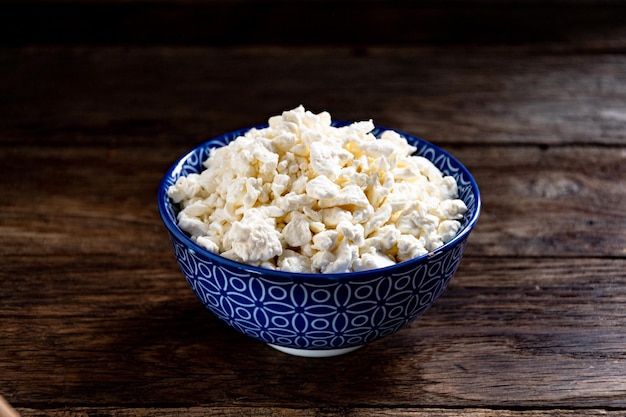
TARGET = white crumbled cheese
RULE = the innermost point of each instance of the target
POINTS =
(321, 188)
(372, 259)
(297, 232)
(254, 238)
(304, 196)
(292, 261)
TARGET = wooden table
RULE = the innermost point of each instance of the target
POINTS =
(97, 320)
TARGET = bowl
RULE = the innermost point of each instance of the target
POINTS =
(318, 315)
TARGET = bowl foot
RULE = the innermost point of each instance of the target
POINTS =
(314, 353)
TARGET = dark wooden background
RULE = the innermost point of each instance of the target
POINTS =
(98, 98)
(341, 22)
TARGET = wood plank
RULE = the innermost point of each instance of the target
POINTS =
(95, 311)
(555, 201)
(116, 96)
(313, 412)
(509, 332)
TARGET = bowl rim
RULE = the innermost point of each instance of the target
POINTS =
(173, 228)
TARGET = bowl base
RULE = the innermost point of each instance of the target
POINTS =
(315, 353)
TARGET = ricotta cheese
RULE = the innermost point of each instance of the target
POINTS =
(304, 196)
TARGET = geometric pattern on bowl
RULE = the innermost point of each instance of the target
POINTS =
(313, 313)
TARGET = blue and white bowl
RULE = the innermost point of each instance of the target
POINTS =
(318, 315)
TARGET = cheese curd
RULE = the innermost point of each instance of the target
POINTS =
(304, 196)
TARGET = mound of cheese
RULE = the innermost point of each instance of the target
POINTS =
(304, 196)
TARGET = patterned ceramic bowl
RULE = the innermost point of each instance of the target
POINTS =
(318, 315)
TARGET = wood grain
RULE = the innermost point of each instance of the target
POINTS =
(97, 320)
(120, 96)
(315, 412)
(95, 200)
(507, 332)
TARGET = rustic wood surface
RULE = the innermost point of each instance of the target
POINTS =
(97, 320)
